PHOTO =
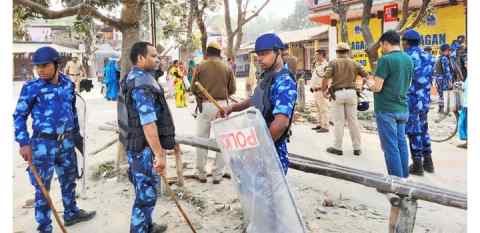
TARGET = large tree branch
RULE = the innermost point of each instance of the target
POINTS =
(420, 15)
(405, 14)
(228, 22)
(255, 14)
(80, 9)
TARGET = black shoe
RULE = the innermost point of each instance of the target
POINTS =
(332, 150)
(357, 152)
(322, 130)
(317, 127)
(416, 168)
(428, 164)
(440, 109)
(158, 228)
(82, 216)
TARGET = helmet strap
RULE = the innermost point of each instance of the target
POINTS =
(274, 61)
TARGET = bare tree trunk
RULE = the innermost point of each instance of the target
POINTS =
(373, 46)
(198, 12)
(340, 8)
(234, 37)
(90, 45)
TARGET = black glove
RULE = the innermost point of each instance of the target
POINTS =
(78, 140)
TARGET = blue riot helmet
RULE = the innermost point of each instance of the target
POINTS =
(412, 37)
(444, 47)
(411, 34)
(269, 41)
(45, 55)
(363, 105)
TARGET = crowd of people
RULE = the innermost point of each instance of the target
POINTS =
(401, 84)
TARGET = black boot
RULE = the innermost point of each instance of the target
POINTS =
(158, 228)
(82, 216)
(440, 109)
(416, 168)
(428, 164)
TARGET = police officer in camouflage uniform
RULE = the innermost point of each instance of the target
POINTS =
(444, 74)
(50, 100)
(148, 131)
(418, 97)
(275, 95)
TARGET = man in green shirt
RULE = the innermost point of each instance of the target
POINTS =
(390, 85)
(391, 82)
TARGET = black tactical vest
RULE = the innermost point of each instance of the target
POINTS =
(131, 130)
(261, 99)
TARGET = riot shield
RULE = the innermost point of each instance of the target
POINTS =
(267, 203)
(81, 106)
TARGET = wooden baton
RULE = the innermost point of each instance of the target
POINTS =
(172, 194)
(209, 97)
(45, 193)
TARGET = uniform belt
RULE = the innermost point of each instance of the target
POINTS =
(344, 88)
(75, 74)
(53, 136)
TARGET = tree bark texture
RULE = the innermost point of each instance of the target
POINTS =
(372, 45)
(340, 8)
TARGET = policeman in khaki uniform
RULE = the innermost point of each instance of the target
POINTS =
(218, 79)
(320, 100)
(75, 70)
(343, 72)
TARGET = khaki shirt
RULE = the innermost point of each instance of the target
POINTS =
(318, 74)
(343, 72)
(73, 68)
(216, 77)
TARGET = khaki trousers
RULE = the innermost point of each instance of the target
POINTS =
(76, 79)
(345, 109)
(322, 108)
(204, 120)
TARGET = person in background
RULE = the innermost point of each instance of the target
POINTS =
(343, 72)
(75, 70)
(463, 119)
(231, 63)
(252, 76)
(321, 64)
(290, 61)
(180, 90)
(111, 79)
(218, 79)
(191, 70)
(428, 49)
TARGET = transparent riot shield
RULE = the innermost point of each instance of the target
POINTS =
(81, 106)
(268, 205)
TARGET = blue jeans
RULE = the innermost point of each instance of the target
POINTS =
(391, 130)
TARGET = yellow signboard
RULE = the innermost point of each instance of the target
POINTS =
(446, 24)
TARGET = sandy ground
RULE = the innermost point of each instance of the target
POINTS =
(215, 208)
